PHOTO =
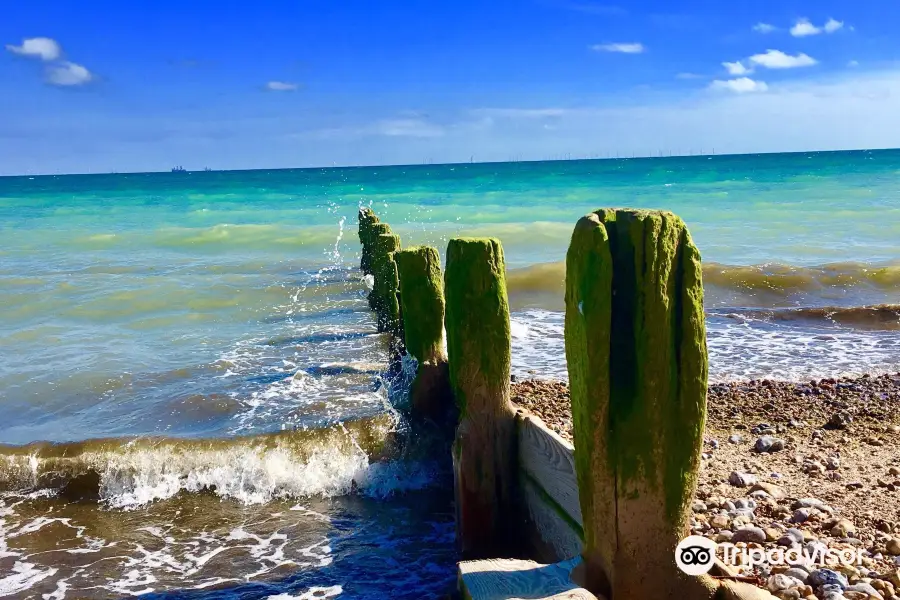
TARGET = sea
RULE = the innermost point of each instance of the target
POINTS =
(193, 394)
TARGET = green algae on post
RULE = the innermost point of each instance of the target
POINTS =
(422, 293)
(374, 231)
(387, 306)
(367, 218)
(422, 308)
(636, 351)
(478, 345)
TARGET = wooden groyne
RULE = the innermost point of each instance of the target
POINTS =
(536, 516)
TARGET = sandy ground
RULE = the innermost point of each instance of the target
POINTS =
(792, 464)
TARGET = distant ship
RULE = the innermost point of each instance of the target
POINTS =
(178, 169)
(207, 169)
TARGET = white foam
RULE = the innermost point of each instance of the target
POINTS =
(313, 593)
(24, 575)
(739, 349)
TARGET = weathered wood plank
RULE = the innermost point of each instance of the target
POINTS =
(511, 579)
(551, 537)
(549, 461)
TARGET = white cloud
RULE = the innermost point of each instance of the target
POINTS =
(39, 47)
(776, 59)
(68, 74)
(764, 28)
(627, 48)
(741, 85)
(803, 27)
(737, 68)
(853, 63)
(688, 76)
(281, 86)
(832, 25)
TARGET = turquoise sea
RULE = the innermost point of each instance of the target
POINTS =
(191, 379)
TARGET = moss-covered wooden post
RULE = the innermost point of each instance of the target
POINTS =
(367, 218)
(422, 308)
(478, 346)
(636, 351)
(387, 306)
(374, 231)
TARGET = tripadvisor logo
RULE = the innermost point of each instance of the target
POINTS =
(695, 555)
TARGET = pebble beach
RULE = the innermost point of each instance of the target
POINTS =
(800, 465)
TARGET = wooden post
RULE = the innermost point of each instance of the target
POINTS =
(375, 230)
(636, 350)
(422, 309)
(387, 306)
(367, 219)
(478, 345)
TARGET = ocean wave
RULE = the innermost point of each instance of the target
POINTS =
(882, 317)
(772, 284)
(125, 473)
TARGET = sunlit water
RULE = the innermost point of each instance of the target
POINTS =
(209, 310)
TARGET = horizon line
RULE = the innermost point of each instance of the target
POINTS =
(451, 164)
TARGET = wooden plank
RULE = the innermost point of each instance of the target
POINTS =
(549, 461)
(512, 579)
(551, 537)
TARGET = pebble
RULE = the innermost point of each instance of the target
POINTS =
(720, 521)
(843, 528)
(827, 577)
(698, 506)
(866, 589)
(735, 439)
(741, 479)
(801, 515)
(768, 443)
(724, 536)
(777, 583)
(893, 547)
(769, 488)
(749, 534)
(798, 573)
(840, 420)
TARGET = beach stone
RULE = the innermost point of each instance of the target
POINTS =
(866, 589)
(772, 534)
(724, 536)
(698, 506)
(840, 420)
(735, 439)
(749, 534)
(741, 479)
(832, 463)
(720, 521)
(827, 577)
(801, 515)
(893, 547)
(768, 443)
(807, 503)
(777, 583)
(797, 573)
(769, 488)
(843, 528)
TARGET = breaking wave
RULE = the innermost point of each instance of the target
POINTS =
(354, 456)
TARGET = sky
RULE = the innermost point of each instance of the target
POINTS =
(98, 86)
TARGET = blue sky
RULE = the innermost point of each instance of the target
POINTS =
(142, 86)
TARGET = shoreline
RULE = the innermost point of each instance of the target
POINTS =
(790, 464)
